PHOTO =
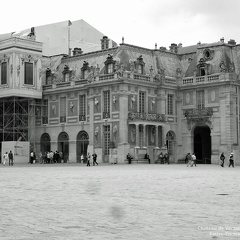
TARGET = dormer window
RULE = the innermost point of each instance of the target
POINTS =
(84, 70)
(48, 76)
(66, 74)
(110, 68)
(109, 64)
(140, 69)
(139, 65)
(202, 68)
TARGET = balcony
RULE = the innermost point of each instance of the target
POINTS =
(208, 79)
(198, 115)
(154, 117)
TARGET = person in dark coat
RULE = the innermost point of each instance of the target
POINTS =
(129, 158)
(10, 158)
(147, 158)
(94, 159)
(222, 158)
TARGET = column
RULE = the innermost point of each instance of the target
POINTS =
(156, 144)
(144, 137)
(137, 135)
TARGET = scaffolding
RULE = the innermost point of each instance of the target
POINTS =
(18, 118)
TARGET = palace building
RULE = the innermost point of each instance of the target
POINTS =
(121, 99)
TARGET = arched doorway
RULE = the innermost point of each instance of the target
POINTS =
(45, 143)
(63, 145)
(202, 144)
(82, 145)
(170, 141)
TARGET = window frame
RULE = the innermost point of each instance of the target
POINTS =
(26, 75)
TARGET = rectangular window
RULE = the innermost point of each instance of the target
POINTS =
(140, 69)
(106, 139)
(142, 102)
(66, 77)
(45, 108)
(4, 73)
(45, 112)
(82, 107)
(106, 99)
(28, 73)
(170, 104)
(63, 110)
(200, 99)
(110, 68)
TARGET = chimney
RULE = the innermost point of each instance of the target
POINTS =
(232, 42)
(77, 51)
(222, 40)
(173, 48)
(163, 48)
(180, 45)
(104, 43)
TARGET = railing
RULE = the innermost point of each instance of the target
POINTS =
(198, 114)
(63, 84)
(106, 77)
(141, 77)
(199, 80)
(147, 116)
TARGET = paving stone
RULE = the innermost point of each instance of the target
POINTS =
(119, 202)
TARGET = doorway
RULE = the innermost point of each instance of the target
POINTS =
(202, 144)
(63, 146)
(45, 143)
(82, 145)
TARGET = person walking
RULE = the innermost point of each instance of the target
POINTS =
(94, 159)
(231, 160)
(194, 160)
(5, 158)
(222, 158)
(88, 159)
(10, 157)
(189, 159)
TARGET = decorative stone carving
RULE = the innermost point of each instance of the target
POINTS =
(160, 76)
(231, 67)
(133, 133)
(96, 132)
(133, 100)
(54, 109)
(71, 106)
(153, 102)
(223, 67)
(115, 130)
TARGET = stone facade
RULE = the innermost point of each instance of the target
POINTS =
(129, 99)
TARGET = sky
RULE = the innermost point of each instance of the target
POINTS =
(142, 23)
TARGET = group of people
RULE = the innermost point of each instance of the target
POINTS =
(191, 160)
(51, 157)
(8, 157)
(231, 160)
(94, 157)
(163, 158)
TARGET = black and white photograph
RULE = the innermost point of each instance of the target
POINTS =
(119, 120)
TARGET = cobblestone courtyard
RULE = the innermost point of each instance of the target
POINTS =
(154, 201)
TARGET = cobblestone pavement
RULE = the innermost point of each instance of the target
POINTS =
(68, 202)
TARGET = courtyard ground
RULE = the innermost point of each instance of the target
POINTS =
(129, 202)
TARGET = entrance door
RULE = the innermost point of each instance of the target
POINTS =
(82, 145)
(63, 145)
(45, 143)
(106, 135)
(202, 144)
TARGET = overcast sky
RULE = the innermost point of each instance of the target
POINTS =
(140, 22)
